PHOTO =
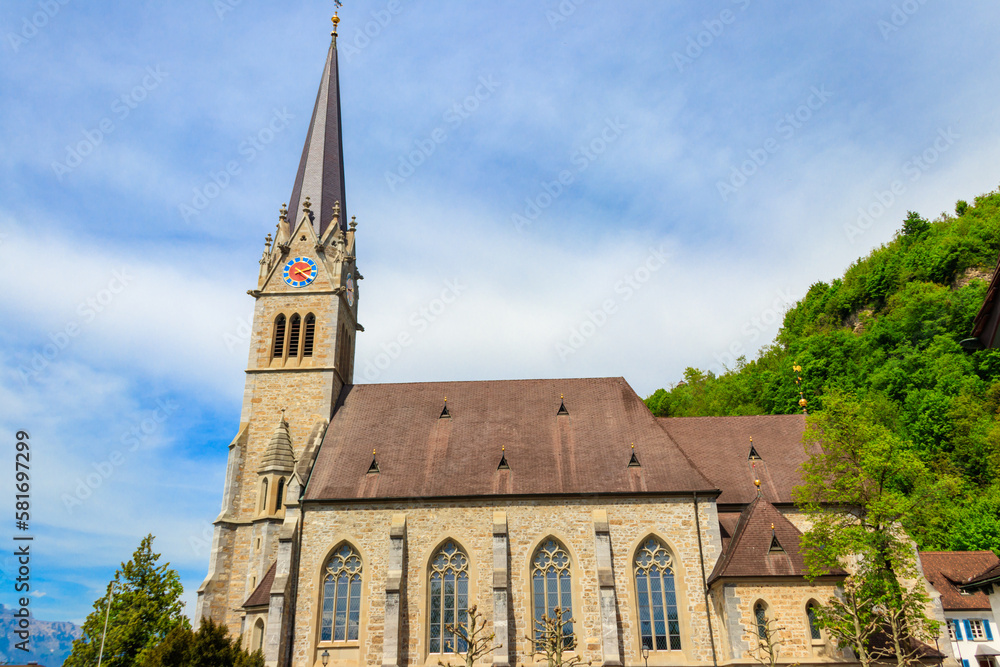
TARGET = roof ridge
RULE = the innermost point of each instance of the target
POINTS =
(428, 382)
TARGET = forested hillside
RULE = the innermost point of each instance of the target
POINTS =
(889, 332)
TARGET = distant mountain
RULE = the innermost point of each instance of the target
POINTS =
(51, 641)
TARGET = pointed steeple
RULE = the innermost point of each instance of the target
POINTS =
(321, 169)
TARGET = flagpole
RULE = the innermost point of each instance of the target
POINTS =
(111, 595)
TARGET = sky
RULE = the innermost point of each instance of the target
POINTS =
(599, 189)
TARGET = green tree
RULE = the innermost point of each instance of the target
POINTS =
(856, 491)
(210, 646)
(145, 608)
(914, 225)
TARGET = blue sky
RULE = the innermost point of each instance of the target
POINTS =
(625, 189)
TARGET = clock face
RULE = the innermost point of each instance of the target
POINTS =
(300, 271)
(350, 290)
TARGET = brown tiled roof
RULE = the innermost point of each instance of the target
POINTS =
(947, 570)
(988, 575)
(881, 644)
(720, 447)
(749, 551)
(420, 454)
(727, 526)
(261, 595)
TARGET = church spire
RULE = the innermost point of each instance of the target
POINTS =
(321, 169)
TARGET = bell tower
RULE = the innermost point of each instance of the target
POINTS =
(301, 357)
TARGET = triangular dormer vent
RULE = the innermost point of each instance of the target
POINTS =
(775, 544)
(503, 460)
(373, 468)
(444, 413)
(562, 407)
(754, 456)
(634, 461)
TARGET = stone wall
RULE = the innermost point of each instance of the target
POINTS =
(470, 524)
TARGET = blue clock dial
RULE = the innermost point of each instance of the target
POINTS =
(300, 271)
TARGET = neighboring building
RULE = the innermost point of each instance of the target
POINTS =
(969, 615)
(359, 521)
(986, 326)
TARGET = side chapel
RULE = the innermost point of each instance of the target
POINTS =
(359, 521)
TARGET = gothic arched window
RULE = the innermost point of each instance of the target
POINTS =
(341, 596)
(814, 631)
(760, 618)
(279, 337)
(280, 495)
(449, 599)
(659, 625)
(309, 335)
(552, 586)
(263, 495)
(294, 328)
(257, 642)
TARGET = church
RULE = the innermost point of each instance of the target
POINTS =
(360, 522)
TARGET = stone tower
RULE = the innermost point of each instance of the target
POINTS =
(301, 356)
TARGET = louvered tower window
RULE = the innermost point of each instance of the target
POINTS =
(449, 599)
(341, 596)
(279, 337)
(659, 625)
(309, 335)
(294, 329)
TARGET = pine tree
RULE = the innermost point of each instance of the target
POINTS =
(210, 646)
(145, 607)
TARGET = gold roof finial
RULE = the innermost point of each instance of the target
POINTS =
(633, 445)
(798, 383)
(336, 21)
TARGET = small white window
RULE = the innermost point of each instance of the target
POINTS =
(951, 631)
(977, 629)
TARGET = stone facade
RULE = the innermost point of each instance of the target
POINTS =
(470, 525)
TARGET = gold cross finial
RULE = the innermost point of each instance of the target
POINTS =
(336, 19)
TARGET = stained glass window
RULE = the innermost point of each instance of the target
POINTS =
(341, 596)
(760, 616)
(814, 631)
(449, 599)
(659, 625)
(552, 586)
